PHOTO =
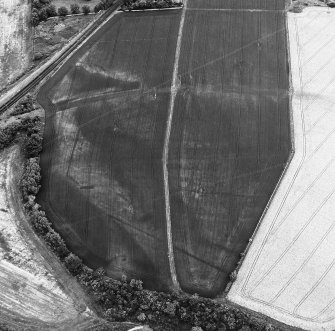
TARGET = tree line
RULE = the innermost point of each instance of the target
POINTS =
(149, 4)
(43, 9)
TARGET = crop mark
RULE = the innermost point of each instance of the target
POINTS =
(237, 139)
(183, 154)
(150, 90)
(259, 29)
(172, 116)
(209, 181)
(136, 328)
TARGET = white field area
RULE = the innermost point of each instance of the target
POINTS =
(15, 42)
(35, 290)
(289, 270)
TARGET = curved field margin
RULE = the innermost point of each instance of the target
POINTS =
(289, 271)
(142, 181)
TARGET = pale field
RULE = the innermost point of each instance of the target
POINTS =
(289, 271)
(15, 39)
(30, 289)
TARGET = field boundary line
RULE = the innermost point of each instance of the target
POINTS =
(280, 180)
(152, 9)
(254, 302)
(237, 10)
(297, 170)
(173, 94)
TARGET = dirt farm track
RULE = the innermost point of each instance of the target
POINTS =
(166, 134)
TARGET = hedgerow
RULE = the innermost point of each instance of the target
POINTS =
(149, 4)
(43, 9)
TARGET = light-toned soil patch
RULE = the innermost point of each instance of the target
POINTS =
(289, 271)
(30, 288)
(15, 42)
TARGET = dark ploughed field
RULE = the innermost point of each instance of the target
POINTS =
(230, 136)
(107, 111)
